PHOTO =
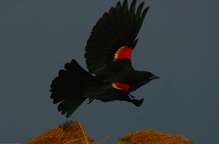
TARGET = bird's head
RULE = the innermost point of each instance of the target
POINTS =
(141, 78)
(144, 77)
(150, 76)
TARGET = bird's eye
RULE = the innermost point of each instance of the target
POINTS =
(148, 74)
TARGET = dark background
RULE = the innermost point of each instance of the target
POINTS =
(178, 42)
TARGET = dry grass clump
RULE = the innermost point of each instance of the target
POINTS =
(153, 137)
(68, 133)
(73, 133)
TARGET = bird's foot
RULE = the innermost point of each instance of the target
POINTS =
(137, 102)
(90, 100)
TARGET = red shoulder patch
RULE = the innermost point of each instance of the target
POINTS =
(121, 86)
(123, 52)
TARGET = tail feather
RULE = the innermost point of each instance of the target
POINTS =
(71, 111)
(68, 86)
(70, 105)
(63, 96)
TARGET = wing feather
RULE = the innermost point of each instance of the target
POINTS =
(115, 29)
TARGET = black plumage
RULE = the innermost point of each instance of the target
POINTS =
(108, 58)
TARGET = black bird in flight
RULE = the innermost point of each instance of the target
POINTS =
(108, 58)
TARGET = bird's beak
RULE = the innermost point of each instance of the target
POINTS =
(154, 77)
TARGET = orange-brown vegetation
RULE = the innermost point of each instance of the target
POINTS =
(153, 137)
(73, 133)
(68, 133)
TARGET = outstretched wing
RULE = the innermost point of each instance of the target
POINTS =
(114, 36)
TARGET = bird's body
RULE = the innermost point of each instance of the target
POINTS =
(108, 57)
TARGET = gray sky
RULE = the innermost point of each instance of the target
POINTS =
(178, 42)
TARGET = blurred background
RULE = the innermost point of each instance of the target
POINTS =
(178, 42)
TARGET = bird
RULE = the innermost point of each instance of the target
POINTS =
(110, 74)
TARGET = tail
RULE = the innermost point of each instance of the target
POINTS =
(67, 87)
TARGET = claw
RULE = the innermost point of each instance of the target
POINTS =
(90, 100)
(131, 95)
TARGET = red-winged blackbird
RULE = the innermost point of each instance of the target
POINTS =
(108, 57)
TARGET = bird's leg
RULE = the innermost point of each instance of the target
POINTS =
(131, 95)
(90, 100)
